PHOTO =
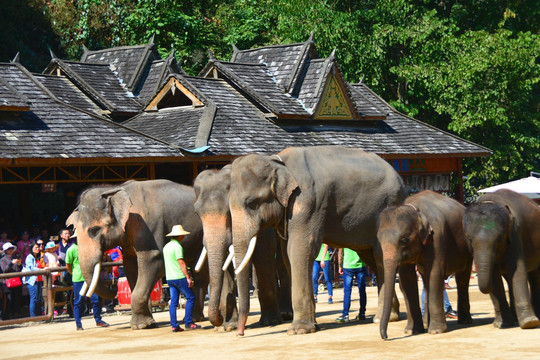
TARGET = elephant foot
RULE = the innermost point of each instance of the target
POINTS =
(437, 329)
(464, 319)
(530, 322)
(302, 327)
(224, 328)
(139, 322)
(270, 320)
(394, 316)
(414, 330)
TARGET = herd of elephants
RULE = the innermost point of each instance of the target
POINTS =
(273, 212)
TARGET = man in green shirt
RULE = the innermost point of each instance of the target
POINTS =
(178, 278)
(73, 267)
(352, 266)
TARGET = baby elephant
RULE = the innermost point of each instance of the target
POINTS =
(504, 230)
(425, 232)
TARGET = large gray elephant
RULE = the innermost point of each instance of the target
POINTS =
(504, 230)
(136, 215)
(212, 205)
(327, 194)
(426, 232)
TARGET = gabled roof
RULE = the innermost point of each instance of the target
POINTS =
(54, 130)
(130, 62)
(99, 83)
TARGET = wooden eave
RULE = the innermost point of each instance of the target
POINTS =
(152, 106)
(14, 108)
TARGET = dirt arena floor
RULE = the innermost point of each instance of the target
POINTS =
(354, 340)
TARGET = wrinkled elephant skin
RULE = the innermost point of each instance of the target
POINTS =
(136, 215)
(425, 232)
(327, 194)
(504, 230)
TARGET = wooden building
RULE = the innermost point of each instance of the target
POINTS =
(125, 113)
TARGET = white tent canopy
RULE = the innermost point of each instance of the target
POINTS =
(529, 186)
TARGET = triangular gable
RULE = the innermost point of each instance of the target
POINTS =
(334, 103)
(173, 94)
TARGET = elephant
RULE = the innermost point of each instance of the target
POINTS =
(212, 205)
(136, 215)
(329, 194)
(425, 231)
(503, 229)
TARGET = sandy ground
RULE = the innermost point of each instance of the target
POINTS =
(60, 340)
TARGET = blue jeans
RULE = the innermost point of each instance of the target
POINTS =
(447, 305)
(327, 277)
(78, 304)
(175, 288)
(348, 275)
(36, 297)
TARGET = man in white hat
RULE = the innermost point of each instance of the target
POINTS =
(178, 278)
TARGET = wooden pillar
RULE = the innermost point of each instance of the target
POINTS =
(458, 190)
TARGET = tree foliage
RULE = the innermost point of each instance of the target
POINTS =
(469, 67)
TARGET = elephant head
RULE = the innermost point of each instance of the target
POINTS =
(403, 232)
(489, 228)
(212, 206)
(261, 187)
(100, 221)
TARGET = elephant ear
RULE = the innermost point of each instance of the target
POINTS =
(73, 219)
(427, 230)
(119, 205)
(283, 183)
(513, 227)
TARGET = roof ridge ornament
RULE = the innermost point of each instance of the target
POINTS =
(85, 49)
(211, 56)
(172, 54)
(332, 55)
(53, 56)
(16, 58)
(310, 39)
(152, 39)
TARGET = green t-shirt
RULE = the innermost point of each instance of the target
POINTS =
(351, 260)
(171, 253)
(72, 258)
(319, 257)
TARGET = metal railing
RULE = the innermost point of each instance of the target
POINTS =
(50, 290)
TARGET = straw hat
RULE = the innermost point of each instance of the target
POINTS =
(51, 246)
(177, 230)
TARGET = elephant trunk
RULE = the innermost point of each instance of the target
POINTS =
(390, 269)
(242, 279)
(484, 268)
(215, 262)
(90, 256)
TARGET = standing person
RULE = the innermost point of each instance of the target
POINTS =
(10, 264)
(178, 278)
(50, 258)
(72, 264)
(34, 283)
(352, 266)
(23, 245)
(322, 261)
(63, 245)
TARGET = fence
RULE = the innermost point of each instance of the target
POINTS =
(48, 288)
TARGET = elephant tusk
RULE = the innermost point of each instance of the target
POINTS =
(201, 260)
(83, 289)
(95, 278)
(247, 257)
(229, 258)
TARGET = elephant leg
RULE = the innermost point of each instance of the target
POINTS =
(284, 279)
(299, 251)
(409, 286)
(534, 283)
(149, 272)
(265, 268)
(228, 302)
(435, 305)
(464, 307)
(520, 289)
(503, 314)
(200, 288)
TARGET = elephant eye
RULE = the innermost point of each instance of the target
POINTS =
(405, 240)
(251, 203)
(94, 231)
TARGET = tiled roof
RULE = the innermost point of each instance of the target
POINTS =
(257, 82)
(100, 84)
(53, 130)
(129, 62)
(67, 92)
(10, 98)
(155, 76)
